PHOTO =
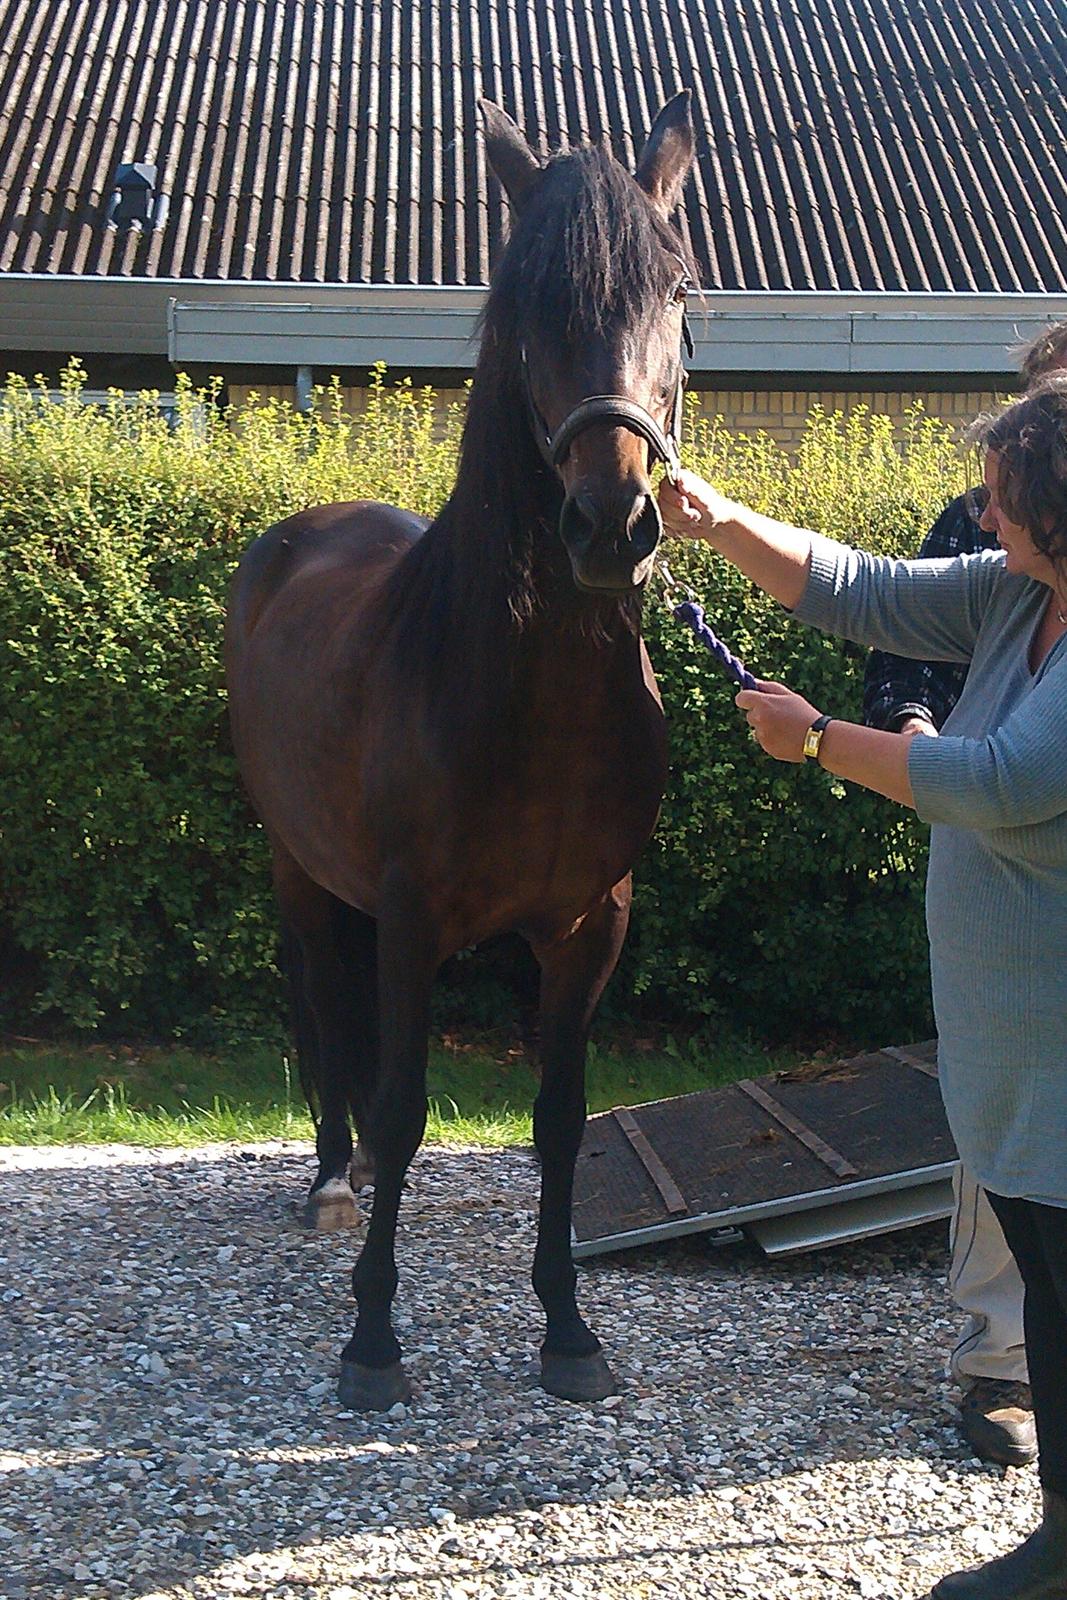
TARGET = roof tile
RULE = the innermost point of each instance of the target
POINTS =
(842, 144)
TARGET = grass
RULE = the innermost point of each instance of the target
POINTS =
(480, 1089)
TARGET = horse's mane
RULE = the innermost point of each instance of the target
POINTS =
(588, 254)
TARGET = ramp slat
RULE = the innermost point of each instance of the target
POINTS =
(911, 1060)
(670, 1193)
(826, 1153)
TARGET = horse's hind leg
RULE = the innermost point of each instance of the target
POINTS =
(330, 951)
(372, 1377)
(574, 973)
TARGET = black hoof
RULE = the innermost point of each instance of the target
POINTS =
(577, 1377)
(372, 1388)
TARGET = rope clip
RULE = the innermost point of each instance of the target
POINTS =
(674, 591)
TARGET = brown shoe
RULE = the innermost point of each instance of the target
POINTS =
(997, 1421)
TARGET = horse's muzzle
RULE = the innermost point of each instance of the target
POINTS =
(611, 540)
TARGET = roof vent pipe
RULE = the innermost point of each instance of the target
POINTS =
(135, 201)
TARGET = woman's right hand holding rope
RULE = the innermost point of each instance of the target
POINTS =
(692, 508)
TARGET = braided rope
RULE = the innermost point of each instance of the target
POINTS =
(692, 615)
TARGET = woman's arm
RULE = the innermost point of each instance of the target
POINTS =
(780, 719)
(1014, 777)
(931, 610)
(774, 555)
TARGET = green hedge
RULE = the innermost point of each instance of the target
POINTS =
(133, 880)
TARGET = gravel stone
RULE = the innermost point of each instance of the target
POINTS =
(169, 1428)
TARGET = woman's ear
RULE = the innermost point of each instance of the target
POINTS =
(509, 155)
(668, 155)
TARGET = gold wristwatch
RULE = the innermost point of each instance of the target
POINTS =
(813, 738)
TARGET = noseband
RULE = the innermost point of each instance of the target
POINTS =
(614, 408)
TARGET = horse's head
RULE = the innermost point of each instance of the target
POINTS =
(590, 299)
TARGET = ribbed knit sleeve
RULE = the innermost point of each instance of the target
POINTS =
(930, 610)
(1014, 777)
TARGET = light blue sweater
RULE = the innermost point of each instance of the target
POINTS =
(994, 786)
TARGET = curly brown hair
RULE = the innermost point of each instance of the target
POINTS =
(1041, 356)
(1029, 440)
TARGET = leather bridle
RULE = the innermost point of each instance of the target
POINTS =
(614, 408)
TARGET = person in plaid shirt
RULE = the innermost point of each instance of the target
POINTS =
(989, 1360)
(916, 696)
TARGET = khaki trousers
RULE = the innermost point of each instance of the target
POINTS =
(985, 1283)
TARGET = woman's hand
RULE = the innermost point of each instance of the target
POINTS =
(693, 508)
(920, 725)
(779, 719)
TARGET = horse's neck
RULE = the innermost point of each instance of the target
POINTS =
(501, 629)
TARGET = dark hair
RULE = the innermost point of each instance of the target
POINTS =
(1029, 440)
(1041, 356)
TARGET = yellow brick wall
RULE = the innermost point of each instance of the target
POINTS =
(782, 412)
(778, 412)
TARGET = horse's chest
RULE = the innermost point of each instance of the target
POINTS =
(548, 841)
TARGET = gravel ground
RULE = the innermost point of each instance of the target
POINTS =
(168, 1426)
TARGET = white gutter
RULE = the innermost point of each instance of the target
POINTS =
(758, 333)
(425, 327)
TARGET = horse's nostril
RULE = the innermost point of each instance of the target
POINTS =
(579, 521)
(646, 527)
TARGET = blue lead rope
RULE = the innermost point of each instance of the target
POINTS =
(692, 615)
(691, 612)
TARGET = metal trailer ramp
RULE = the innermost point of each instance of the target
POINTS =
(798, 1160)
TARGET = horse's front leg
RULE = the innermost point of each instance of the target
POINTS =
(372, 1376)
(573, 975)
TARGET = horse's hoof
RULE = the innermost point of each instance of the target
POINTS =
(577, 1377)
(372, 1388)
(332, 1208)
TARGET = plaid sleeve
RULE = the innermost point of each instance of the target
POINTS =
(895, 688)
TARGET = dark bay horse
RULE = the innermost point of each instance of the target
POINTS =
(453, 730)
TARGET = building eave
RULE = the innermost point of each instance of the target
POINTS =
(417, 328)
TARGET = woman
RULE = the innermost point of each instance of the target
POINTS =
(994, 786)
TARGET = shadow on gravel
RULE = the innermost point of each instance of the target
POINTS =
(168, 1371)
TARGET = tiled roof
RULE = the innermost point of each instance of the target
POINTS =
(842, 144)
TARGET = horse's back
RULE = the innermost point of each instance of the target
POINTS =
(351, 545)
(301, 649)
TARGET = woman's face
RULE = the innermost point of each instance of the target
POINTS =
(1022, 555)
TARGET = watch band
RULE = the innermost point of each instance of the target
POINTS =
(813, 738)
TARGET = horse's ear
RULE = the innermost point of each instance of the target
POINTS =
(509, 155)
(668, 155)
